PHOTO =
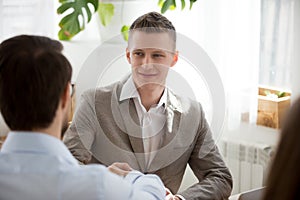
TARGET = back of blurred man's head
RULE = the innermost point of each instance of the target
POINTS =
(33, 77)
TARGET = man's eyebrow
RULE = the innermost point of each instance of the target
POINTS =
(137, 50)
(153, 51)
(160, 50)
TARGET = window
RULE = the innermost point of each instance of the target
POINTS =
(26, 17)
(276, 43)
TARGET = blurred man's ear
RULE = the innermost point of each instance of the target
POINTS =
(128, 55)
(175, 58)
(66, 96)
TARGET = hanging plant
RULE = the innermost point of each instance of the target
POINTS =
(79, 14)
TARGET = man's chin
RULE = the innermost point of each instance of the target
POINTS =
(150, 85)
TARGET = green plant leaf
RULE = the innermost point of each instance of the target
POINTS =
(182, 4)
(172, 7)
(125, 32)
(267, 92)
(167, 4)
(160, 3)
(62, 1)
(191, 3)
(64, 35)
(89, 14)
(65, 20)
(70, 24)
(106, 12)
(280, 94)
(64, 7)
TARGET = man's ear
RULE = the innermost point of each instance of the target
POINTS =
(175, 58)
(128, 55)
(66, 96)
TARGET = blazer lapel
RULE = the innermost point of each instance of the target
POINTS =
(169, 141)
(170, 137)
(134, 130)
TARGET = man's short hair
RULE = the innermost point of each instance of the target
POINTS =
(153, 22)
(33, 77)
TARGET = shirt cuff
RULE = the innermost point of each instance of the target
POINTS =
(180, 196)
(133, 176)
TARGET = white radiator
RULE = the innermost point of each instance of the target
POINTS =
(248, 163)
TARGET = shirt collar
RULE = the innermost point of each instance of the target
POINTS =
(35, 142)
(173, 102)
(129, 91)
(163, 99)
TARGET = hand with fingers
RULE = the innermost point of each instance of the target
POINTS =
(121, 169)
(170, 196)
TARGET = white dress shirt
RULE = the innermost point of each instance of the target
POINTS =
(39, 166)
(152, 121)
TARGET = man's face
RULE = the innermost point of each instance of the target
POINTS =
(150, 55)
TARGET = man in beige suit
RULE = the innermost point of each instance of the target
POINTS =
(138, 120)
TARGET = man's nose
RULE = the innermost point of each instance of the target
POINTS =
(147, 62)
(147, 59)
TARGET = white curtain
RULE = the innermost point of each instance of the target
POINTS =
(229, 32)
(276, 43)
(250, 42)
(296, 58)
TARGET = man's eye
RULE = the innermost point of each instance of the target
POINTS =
(158, 55)
(138, 54)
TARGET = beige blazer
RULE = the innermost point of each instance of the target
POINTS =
(105, 130)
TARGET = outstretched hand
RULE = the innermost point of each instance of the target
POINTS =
(170, 196)
(121, 169)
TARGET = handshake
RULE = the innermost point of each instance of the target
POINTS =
(122, 169)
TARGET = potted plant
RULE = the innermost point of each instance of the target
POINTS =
(79, 12)
(272, 106)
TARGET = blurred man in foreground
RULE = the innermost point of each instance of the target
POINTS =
(35, 95)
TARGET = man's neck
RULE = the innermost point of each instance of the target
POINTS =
(150, 96)
(53, 130)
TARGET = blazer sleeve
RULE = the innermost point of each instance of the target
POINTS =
(81, 134)
(215, 181)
